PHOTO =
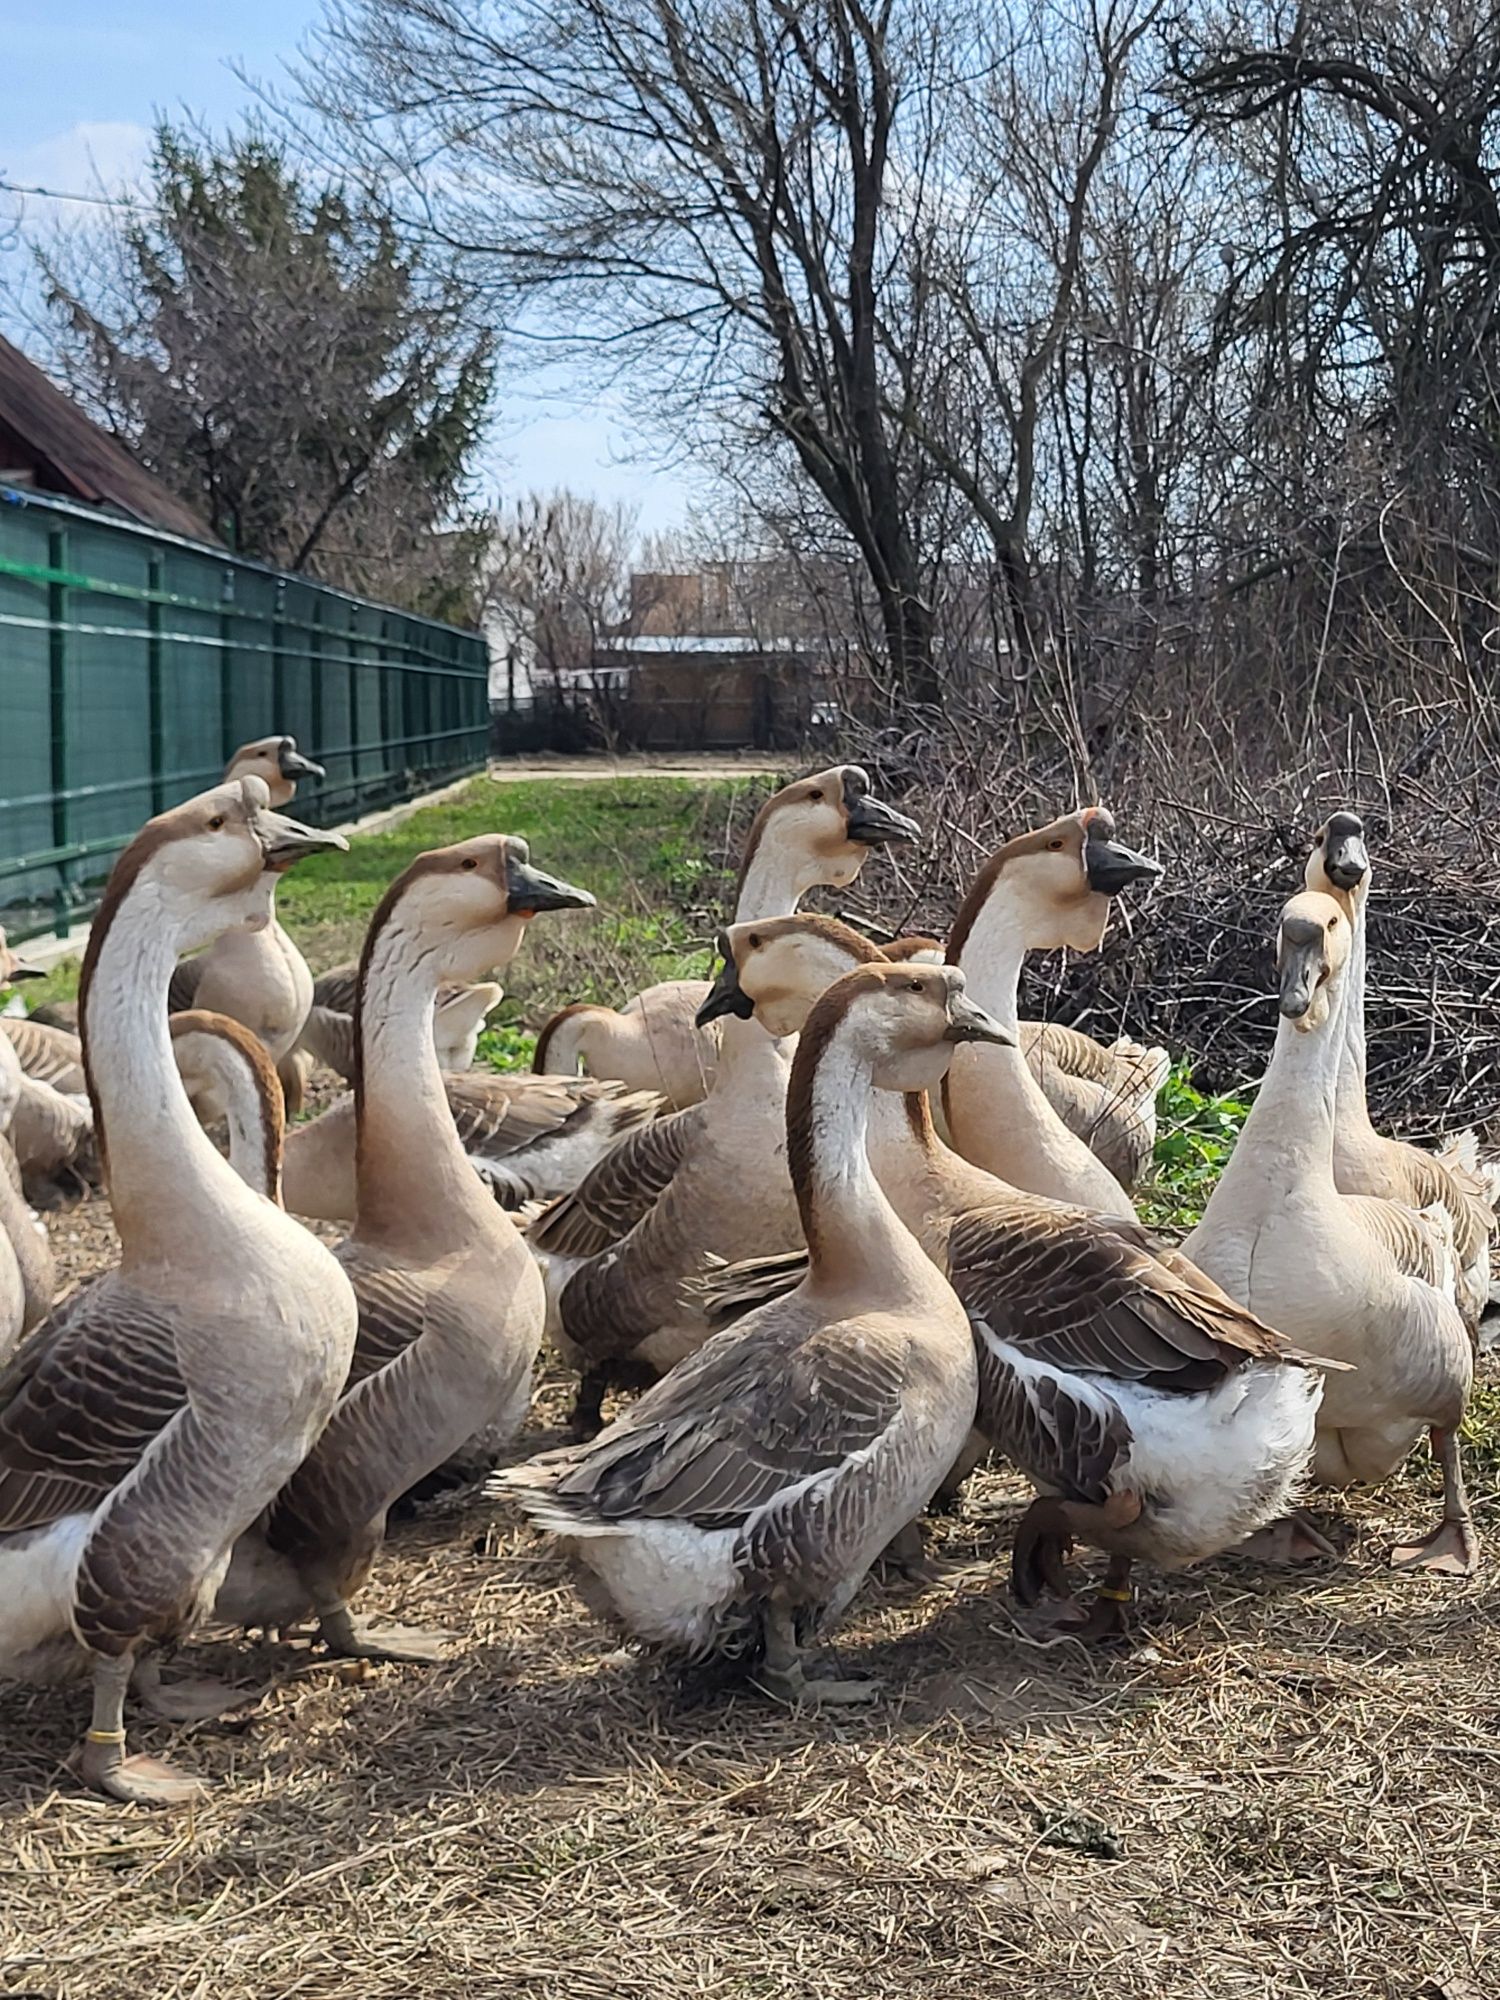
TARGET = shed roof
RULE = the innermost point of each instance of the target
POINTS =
(68, 453)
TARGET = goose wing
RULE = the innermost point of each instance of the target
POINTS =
(182, 989)
(83, 1399)
(498, 1115)
(747, 1420)
(619, 1191)
(1075, 1296)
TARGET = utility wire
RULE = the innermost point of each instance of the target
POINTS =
(92, 200)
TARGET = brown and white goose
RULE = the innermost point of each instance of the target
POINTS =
(149, 1421)
(1043, 889)
(711, 1179)
(1327, 1267)
(809, 833)
(450, 1302)
(50, 1130)
(259, 978)
(739, 1503)
(1366, 1161)
(1158, 1420)
(53, 1056)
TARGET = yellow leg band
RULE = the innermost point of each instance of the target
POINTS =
(105, 1736)
(1116, 1596)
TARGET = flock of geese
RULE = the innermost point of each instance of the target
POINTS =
(845, 1221)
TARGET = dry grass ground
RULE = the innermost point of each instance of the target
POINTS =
(1284, 1787)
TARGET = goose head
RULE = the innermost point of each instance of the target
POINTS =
(1339, 864)
(905, 1020)
(823, 827)
(277, 762)
(1057, 881)
(468, 905)
(1312, 949)
(209, 865)
(13, 968)
(775, 970)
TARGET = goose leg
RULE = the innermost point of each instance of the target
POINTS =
(782, 1674)
(1044, 1541)
(1452, 1549)
(138, 1780)
(587, 1418)
(904, 1559)
(1108, 1616)
(361, 1639)
(950, 1494)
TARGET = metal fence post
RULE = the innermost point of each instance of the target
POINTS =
(155, 583)
(57, 692)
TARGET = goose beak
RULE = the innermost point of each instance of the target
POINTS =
(1346, 859)
(284, 840)
(292, 764)
(871, 821)
(19, 969)
(1298, 968)
(1112, 866)
(726, 995)
(969, 1023)
(528, 890)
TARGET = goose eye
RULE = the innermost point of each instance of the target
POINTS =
(216, 822)
(1054, 845)
(754, 942)
(915, 986)
(815, 797)
(468, 864)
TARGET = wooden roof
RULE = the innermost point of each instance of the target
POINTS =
(65, 451)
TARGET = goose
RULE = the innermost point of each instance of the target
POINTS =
(157, 1411)
(713, 1178)
(811, 832)
(53, 1056)
(1158, 1419)
(459, 1015)
(1046, 888)
(529, 1138)
(49, 1133)
(738, 1504)
(28, 1276)
(258, 977)
(1279, 1236)
(1364, 1160)
(450, 1303)
(1105, 1094)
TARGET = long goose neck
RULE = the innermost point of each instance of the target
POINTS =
(1288, 1136)
(410, 1165)
(992, 956)
(854, 1236)
(254, 1138)
(771, 885)
(171, 1190)
(751, 1063)
(903, 1150)
(1353, 1101)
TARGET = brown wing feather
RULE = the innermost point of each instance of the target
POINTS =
(337, 988)
(82, 1400)
(182, 989)
(498, 1115)
(619, 1191)
(1067, 1441)
(744, 1419)
(1066, 1291)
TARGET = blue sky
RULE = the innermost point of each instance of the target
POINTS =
(84, 81)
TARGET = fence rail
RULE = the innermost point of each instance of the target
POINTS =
(132, 663)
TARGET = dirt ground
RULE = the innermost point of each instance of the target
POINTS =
(1285, 1786)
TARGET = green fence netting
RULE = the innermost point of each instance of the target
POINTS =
(133, 663)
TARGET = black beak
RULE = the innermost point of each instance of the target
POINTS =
(19, 969)
(969, 1023)
(1299, 964)
(726, 996)
(869, 820)
(284, 840)
(1346, 859)
(1112, 866)
(292, 764)
(528, 890)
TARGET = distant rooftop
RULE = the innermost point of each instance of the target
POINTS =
(48, 442)
(698, 642)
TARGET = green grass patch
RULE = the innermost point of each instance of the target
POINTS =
(1195, 1135)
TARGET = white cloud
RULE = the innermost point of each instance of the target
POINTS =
(101, 157)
